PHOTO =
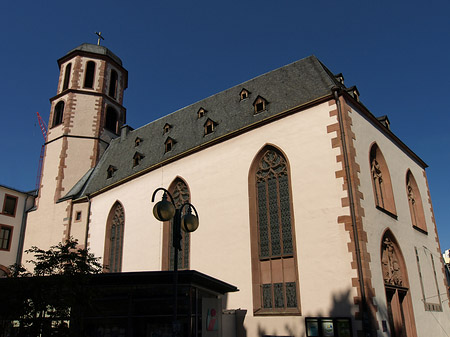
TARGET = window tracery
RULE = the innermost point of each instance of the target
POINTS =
(272, 235)
(114, 239)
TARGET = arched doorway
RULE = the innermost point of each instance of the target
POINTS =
(396, 285)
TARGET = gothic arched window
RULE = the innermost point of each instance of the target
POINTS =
(58, 113)
(415, 203)
(180, 193)
(396, 285)
(113, 84)
(112, 259)
(274, 262)
(67, 76)
(89, 76)
(381, 180)
(111, 120)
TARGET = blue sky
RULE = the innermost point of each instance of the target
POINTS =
(178, 52)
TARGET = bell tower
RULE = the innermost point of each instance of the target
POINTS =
(86, 113)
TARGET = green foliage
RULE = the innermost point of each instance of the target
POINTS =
(48, 300)
(64, 259)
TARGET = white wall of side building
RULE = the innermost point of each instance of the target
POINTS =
(14, 222)
(428, 323)
(218, 181)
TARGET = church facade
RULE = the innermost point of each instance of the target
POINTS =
(307, 202)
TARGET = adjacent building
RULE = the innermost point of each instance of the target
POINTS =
(15, 205)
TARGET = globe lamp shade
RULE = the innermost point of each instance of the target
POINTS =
(189, 222)
(164, 210)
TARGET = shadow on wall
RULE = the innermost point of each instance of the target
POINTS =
(341, 307)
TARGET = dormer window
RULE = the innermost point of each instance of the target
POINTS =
(201, 112)
(137, 141)
(110, 171)
(340, 78)
(137, 159)
(244, 94)
(169, 143)
(259, 104)
(353, 91)
(167, 128)
(209, 126)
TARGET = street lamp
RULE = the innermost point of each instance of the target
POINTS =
(165, 210)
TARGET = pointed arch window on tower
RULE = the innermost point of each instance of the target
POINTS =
(67, 76)
(415, 203)
(113, 84)
(58, 113)
(111, 120)
(112, 259)
(181, 194)
(274, 264)
(89, 75)
(381, 182)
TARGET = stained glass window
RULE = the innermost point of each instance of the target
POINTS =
(180, 193)
(114, 239)
(274, 232)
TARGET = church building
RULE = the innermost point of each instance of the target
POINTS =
(307, 202)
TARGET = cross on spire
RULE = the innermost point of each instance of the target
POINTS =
(100, 37)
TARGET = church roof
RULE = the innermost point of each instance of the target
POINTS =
(300, 83)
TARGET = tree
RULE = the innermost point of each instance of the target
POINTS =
(48, 300)
(64, 259)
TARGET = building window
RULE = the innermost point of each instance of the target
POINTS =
(137, 141)
(398, 295)
(89, 76)
(9, 205)
(244, 94)
(67, 76)
(58, 113)
(328, 326)
(110, 171)
(181, 195)
(137, 158)
(5, 237)
(274, 263)
(167, 128)
(113, 84)
(259, 104)
(111, 120)
(201, 112)
(209, 126)
(78, 216)
(115, 226)
(415, 203)
(381, 182)
(169, 143)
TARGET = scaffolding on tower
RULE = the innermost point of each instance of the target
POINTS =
(44, 129)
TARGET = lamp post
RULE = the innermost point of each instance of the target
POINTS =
(165, 210)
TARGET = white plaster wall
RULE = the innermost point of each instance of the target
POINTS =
(8, 257)
(218, 182)
(376, 222)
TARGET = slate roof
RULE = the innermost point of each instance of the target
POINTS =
(96, 49)
(295, 84)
